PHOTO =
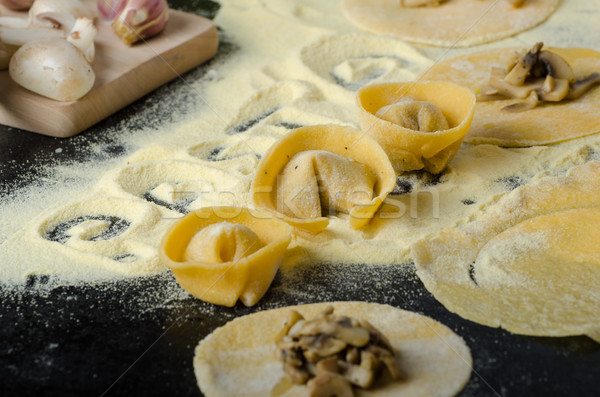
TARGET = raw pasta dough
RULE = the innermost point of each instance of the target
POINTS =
(317, 181)
(547, 123)
(222, 254)
(240, 358)
(350, 162)
(530, 265)
(453, 23)
(407, 148)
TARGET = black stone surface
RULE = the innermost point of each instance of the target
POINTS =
(137, 337)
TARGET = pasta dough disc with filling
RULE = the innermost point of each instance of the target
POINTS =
(528, 265)
(240, 358)
(545, 124)
(456, 23)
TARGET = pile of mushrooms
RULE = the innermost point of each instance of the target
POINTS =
(435, 3)
(51, 52)
(332, 353)
(538, 75)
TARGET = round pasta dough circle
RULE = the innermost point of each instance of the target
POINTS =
(547, 123)
(436, 361)
(456, 23)
(529, 265)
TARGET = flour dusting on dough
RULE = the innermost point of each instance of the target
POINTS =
(290, 70)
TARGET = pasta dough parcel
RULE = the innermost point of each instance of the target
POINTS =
(530, 265)
(546, 123)
(222, 254)
(322, 170)
(420, 125)
(453, 23)
(244, 353)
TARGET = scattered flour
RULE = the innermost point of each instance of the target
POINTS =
(103, 219)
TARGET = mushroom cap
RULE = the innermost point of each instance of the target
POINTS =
(53, 68)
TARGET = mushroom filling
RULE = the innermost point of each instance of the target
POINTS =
(435, 3)
(415, 115)
(333, 353)
(538, 75)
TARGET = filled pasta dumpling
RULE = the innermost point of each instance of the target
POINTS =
(420, 125)
(317, 171)
(222, 254)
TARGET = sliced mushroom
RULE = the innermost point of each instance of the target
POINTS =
(582, 86)
(520, 71)
(362, 375)
(329, 384)
(556, 66)
(515, 91)
(292, 318)
(536, 76)
(335, 351)
(388, 358)
(324, 345)
(529, 103)
(297, 375)
(352, 355)
(328, 365)
(554, 90)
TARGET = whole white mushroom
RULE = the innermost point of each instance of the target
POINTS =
(54, 68)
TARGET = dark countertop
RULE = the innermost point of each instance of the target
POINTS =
(137, 337)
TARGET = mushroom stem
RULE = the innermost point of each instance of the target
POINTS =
(21, 35)
(82, 36)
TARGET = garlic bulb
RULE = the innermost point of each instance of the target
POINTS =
(139, 19)
(17, 5)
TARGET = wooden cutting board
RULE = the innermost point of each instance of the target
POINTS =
(123, 74)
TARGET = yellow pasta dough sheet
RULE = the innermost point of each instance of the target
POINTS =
(240, 358)
(454, 23)
(530, 265)
(547, 123)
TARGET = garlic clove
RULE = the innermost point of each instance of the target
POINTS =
(17, 5)
(54, 68)
(109, 9)
(141, 19)
(59, 14)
